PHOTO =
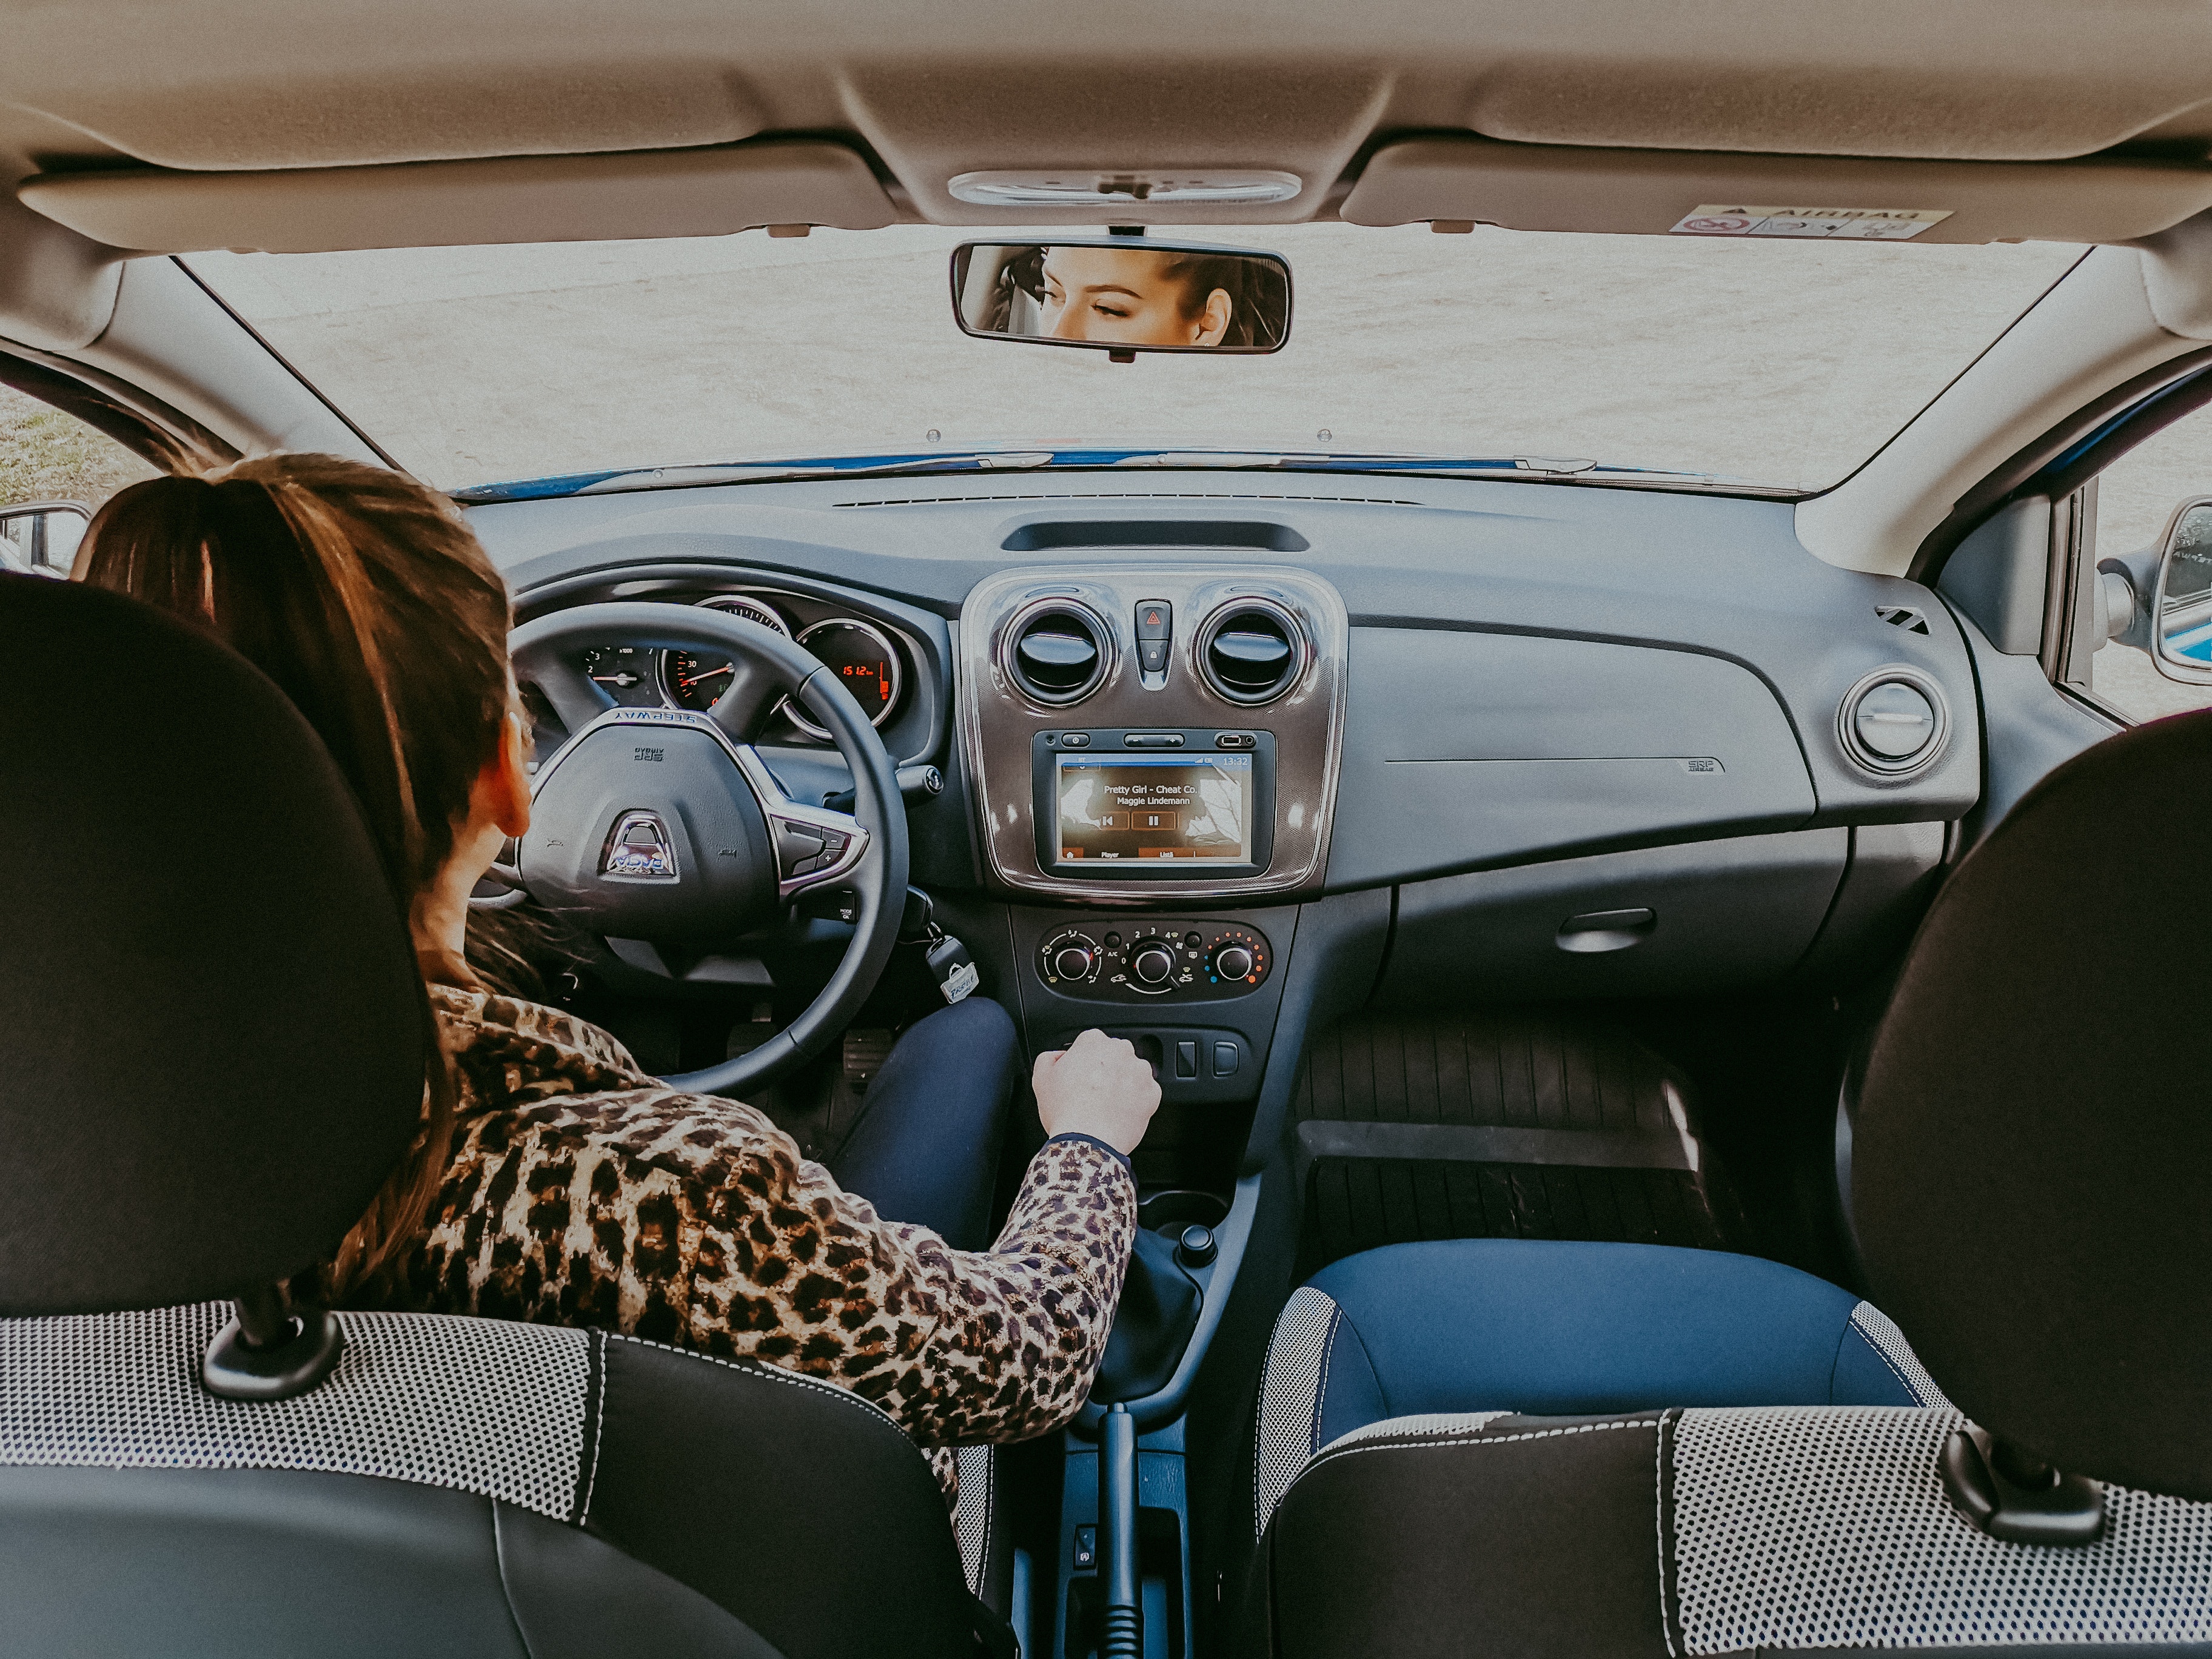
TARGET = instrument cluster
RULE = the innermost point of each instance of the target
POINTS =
(864, 654)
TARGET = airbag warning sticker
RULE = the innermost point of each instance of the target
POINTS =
(1841, 224)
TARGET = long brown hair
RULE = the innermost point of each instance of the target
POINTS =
(362, 594)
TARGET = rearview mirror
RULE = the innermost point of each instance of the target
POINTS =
(2181, 613)
(1123, 295)
(42, 537)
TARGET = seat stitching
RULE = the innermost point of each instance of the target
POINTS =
(1851, 1328)
(1489, 1440)
(1659, 1531)
(1321, 1393)
(598, 1426)
(777, 1374)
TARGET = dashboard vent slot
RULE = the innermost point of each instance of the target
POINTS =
(1154, 533)
(1893, 723)
(1251, 651)
(1057, 651)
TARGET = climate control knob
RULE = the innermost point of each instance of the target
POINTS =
(1233, 962)
(1153, 963)
(1072, 961)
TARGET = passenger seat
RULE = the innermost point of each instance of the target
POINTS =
(1500, 1447)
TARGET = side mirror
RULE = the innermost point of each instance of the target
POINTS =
(2180, 631)
(42, 538)
(1123, 295)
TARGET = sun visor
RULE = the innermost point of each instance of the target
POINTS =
(1704, 193)
(533, 198)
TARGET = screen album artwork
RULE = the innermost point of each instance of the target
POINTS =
(1193, 809)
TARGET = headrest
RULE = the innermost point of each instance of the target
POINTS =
(212, 1031)
(2032, 1160)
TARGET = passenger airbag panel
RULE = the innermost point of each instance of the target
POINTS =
(1465, 749)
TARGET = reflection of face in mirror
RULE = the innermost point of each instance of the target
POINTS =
(1123, 296)
(1135, 296)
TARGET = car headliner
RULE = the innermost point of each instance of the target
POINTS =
(927, 93)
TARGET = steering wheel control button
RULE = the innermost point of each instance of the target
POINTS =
(639, 850)
(798, 848)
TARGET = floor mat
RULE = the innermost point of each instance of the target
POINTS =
(1514, 1126)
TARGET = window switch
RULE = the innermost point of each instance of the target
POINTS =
(1086, 1547)
(1186, 1059)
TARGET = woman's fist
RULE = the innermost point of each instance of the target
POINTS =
(1097, 1086)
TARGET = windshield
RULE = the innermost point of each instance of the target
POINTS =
(1771, 363)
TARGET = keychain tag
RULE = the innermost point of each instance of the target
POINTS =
(951, 966)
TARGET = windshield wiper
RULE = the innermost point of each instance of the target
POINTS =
(1533, 469)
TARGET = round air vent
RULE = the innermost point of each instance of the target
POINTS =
(1895, 722)
(1251, 651)
(1056, 650)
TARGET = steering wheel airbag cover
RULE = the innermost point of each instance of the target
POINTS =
(673, 790)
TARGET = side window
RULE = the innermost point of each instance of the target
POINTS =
(2137, 504)
(55, 472)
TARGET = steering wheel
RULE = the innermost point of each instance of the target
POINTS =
(666, 825)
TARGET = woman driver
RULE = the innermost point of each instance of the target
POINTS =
(554, 1181)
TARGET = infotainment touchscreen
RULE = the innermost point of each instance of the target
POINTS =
(1190, 809)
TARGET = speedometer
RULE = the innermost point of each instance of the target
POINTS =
(693, 679)
(864, 662)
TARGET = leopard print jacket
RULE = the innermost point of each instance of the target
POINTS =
(583, 1192)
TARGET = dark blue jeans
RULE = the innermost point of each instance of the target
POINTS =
(925, 1148)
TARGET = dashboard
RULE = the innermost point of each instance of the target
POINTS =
(1550, 740)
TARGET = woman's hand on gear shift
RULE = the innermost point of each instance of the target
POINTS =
(1097, 1086)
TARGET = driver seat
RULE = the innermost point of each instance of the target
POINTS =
(211, 1054)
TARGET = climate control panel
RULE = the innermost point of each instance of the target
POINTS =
(1139, 959)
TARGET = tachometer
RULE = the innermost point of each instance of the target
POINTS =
(624, 672)
(860, 656)
(694, 679)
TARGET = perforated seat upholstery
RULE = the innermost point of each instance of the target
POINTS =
(1506, 1448)
(212, 1036)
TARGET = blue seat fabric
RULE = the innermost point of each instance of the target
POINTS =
(1564, 1329)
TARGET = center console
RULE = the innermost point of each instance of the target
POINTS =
(1153, 751)
(1153, 731)
(1152, 748)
